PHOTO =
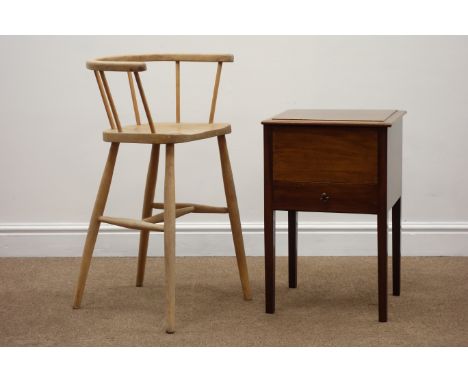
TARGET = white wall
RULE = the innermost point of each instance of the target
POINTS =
(52, 155)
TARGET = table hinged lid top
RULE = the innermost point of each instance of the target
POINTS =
(383, 118)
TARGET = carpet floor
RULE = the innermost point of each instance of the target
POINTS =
(335, 304)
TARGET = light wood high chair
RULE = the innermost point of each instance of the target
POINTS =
(157, 134)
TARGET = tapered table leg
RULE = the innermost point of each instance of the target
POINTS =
(396, 246)
(269, 223)
(382, 227)
(292, 248)
(270, 266)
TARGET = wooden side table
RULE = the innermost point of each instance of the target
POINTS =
(346, 161)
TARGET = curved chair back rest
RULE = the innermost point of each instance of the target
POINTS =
(136, 64)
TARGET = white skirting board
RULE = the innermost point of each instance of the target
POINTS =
(214, 239)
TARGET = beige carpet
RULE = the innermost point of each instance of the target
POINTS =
(334, 305)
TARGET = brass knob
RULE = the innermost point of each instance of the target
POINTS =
(324, 197)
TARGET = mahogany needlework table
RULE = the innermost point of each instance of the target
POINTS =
(341, 161)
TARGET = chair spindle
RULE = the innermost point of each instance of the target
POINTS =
(104, 99)
(145, 103)
(111, 101)
(215, 92)
(134, 99)
(177, 91)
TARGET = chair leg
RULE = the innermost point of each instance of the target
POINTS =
(234, 217)
(148, 200)
(169, 237)
(94, 224)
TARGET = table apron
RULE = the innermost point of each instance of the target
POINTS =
(325, 197)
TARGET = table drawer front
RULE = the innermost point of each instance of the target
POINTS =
(325, 197)
(325, 155)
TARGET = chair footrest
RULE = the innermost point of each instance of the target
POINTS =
(197, 208)
(160, 217)
(132, 223)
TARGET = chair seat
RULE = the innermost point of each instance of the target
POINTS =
(167, 133)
